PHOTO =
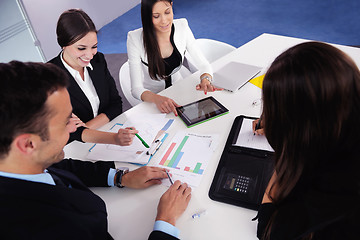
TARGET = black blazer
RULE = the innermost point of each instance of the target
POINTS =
(110, 101)
(31, 210)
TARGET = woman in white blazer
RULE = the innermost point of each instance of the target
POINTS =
(156, 53)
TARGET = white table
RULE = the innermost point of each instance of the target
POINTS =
(132, 212)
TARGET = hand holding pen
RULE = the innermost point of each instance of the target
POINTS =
(141, 140)
(258, 127)
(125, 136)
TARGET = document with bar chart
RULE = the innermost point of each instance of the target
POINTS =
(187, 156)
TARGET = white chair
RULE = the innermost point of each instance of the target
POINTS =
(125, 84)
(212, 50)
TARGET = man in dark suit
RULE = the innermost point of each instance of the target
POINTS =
(43, 196)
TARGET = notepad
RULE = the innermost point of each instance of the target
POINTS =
(234, 75)
(247, 138)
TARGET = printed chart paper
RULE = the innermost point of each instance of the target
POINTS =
(187, 156)
(149, 127)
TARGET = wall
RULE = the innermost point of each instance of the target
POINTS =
(43, 17)
(16, 37)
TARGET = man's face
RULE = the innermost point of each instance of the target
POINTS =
(51, 151)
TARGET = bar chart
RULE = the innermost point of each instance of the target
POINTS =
(187, 156)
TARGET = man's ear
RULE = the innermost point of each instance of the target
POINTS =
(26, 143)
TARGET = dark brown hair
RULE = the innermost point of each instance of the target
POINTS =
(73, 25)
(155, 62)
(311, 96)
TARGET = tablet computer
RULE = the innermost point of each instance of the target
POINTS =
(200, 111)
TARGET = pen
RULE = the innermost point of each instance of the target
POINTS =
(198, 214)
(142, 140)
(257, 126)
(167, 173)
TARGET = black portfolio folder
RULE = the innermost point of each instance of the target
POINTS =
(242, 174)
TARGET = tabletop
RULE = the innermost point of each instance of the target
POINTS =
(131, 212)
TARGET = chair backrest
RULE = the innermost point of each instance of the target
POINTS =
(125, 84)
(212, 50)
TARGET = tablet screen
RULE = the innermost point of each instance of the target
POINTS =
(201, 110)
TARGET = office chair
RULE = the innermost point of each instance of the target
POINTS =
(212, 50)
(125, 84)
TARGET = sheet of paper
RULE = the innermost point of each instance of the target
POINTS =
(187, 156)
(148, 125)
(247, 138)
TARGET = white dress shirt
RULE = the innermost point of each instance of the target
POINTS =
(85, 84)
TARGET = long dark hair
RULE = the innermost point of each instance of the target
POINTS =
(155, 62)
(311, 97)
(73, 25)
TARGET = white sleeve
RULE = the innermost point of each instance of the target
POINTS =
(197, 56)
(134, 47)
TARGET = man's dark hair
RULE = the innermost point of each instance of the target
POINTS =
(24, 90)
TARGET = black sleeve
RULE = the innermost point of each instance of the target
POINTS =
(91, 174)
(158, 235)
(265, 212)
(77, 135)
(114, 106)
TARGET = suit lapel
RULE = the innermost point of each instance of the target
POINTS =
(74, 90)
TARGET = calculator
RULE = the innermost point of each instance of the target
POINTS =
(237, 183)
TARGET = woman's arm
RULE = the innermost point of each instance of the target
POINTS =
(164, 104)
(199, 60)
(191, 47)
(123, 137)
(135, 46)
(98, 121)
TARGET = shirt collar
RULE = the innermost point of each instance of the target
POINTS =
(44, 177)
(72, 71)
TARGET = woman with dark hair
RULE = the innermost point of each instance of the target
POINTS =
(156, 52)
(92, 89)
(311, 96)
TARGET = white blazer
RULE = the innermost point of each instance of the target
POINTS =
(184, 41)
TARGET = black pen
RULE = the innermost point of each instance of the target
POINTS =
(257, 126)
(169, 177)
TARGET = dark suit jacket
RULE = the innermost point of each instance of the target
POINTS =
(30, 210)
(110, 101)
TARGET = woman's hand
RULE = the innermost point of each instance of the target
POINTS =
(206, 85)
(258, 128)
(77, 121)
(125, 136)
(165, 104)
